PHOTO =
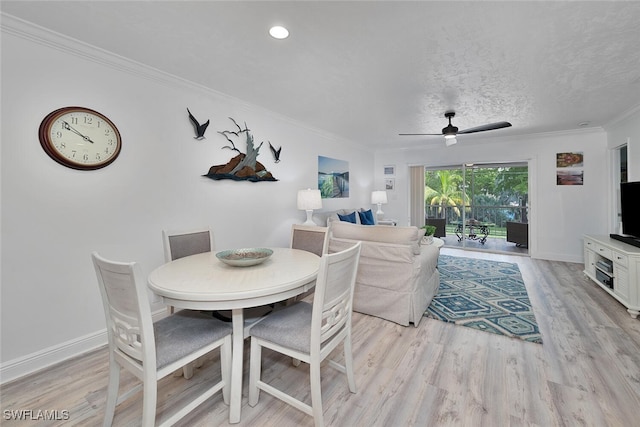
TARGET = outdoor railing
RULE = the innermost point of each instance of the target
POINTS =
(496, 216)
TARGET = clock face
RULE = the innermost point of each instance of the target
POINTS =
(80, 138)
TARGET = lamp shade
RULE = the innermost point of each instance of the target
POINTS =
(378, 197)
(309, 199)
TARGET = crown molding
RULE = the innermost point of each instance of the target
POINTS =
(630, 112)
(40, 35)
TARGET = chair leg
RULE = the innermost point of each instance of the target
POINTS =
(316, 393)
(149, 401)
(255, 363)
(348, 364)
(112, 392)
(187, 371)
(225, 367)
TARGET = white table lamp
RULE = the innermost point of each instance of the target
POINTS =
(379, 198)
(308, 200)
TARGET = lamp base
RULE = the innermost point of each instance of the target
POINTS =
(309, 221)
(379, 214)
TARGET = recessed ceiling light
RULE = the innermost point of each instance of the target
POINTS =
(279, 32)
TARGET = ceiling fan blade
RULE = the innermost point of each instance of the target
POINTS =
(490, 126)
(420, 134)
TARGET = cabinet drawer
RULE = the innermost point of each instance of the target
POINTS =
(602, 251)
(620, 259)
(589, 244)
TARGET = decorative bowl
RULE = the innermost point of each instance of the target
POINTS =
(244, 257)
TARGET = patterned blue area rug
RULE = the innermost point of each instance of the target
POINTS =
(485, 295)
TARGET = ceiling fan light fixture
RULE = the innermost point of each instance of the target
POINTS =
(450, 131)
(449, 141)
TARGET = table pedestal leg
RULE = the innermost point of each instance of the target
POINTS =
(235, 403)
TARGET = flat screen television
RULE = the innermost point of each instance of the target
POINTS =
(630, 204)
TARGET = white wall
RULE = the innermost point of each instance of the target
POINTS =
(54, 217)
(626, 130)
(559, 215)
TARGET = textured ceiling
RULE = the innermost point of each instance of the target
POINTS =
(368, 70)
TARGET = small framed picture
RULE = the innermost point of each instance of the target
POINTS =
(390, 170)
(569, 160)
(570, 177)
(389, 184)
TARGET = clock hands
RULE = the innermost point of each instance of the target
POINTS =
(67, 126)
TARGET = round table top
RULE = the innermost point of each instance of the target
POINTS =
(438, 242)
(203, 277)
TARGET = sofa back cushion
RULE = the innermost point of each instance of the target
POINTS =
(348, 217)
(384, 234)
(366, 217)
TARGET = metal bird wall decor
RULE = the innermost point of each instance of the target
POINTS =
(199, 128)
(244, 166)
(276, 153)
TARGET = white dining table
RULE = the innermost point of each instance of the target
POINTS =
(203, 282)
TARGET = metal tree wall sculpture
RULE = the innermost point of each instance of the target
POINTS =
(244, 166)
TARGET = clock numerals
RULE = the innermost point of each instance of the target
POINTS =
(80, 138)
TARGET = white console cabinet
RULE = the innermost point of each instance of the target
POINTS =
(615, 267)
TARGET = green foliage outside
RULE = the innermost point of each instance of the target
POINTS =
(489, 194)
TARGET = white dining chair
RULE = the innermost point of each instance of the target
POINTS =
(312, 239)
(309, 332)
(309, 238)
(151, 351)
(181, 243)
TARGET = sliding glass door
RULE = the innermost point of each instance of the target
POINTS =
(482, 206)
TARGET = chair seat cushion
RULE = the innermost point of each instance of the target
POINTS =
(289, 327)
(185, 332)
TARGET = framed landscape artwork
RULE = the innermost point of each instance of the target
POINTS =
(333, 177)
(569, 168)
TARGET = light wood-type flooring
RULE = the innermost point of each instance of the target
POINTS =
(587, 372)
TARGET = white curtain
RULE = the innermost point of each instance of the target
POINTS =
(416, 195)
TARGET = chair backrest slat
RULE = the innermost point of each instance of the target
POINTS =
(126, 306)
(333, 297)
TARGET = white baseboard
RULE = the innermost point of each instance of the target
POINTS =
(42, 359)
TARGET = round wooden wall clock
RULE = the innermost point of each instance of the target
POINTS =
(80, 138)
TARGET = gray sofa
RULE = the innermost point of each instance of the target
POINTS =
(397, 277)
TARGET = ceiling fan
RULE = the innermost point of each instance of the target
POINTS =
(451, 131)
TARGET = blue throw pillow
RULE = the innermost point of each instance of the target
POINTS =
(348, 218)
(366, 218)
